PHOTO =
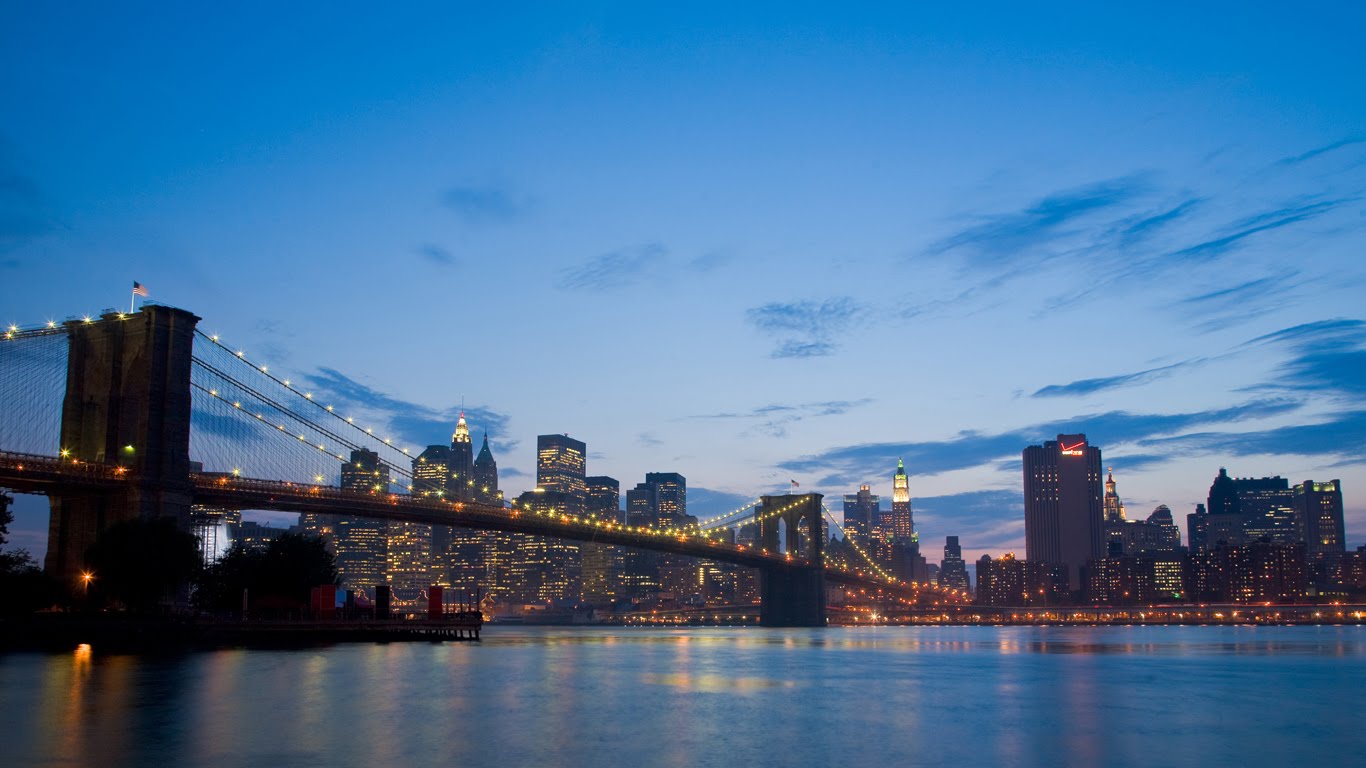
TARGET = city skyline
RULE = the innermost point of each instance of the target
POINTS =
(1006, 245)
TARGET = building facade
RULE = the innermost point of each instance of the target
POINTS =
(1063, 500)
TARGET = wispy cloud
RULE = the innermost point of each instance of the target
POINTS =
(806, 328)
(1327, 357)
(436, 254)
(1214, 310)
(973, 449)
(772, 420)
(1007, 236)
(1342, 435)
(1139, 229)
(1266, 221)
(414, 422)
(615, 269)
(648, 440)
(1101, 384)
(1325, 149)
(476, 204)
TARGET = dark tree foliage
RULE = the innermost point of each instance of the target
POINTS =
(280, 577)
(142, 564)
(24, 587)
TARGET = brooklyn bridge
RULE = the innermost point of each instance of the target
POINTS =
(142, 414)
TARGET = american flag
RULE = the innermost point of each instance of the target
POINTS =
(795, 484)
(139, 289)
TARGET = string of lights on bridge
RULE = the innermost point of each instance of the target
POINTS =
(330, 410)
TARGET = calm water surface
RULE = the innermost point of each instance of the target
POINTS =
(618, 698)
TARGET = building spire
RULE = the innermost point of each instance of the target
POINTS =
(462, 430)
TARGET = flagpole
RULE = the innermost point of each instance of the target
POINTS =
(133, 302)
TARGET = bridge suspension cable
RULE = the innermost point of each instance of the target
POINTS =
(33, 370)
(831, 517)
(314, 417)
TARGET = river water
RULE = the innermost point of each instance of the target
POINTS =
(631, 698)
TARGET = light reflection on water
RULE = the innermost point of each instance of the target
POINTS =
(643, 697)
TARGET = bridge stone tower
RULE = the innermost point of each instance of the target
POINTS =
(792, 595)
(127, 404)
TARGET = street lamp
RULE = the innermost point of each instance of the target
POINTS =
(86, 578)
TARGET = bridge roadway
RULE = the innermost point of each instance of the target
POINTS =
(26, 473)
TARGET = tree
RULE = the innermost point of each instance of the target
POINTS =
(24, 587)
(142, 563)
(284, 573)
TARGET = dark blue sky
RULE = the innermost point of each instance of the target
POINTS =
(745, 244)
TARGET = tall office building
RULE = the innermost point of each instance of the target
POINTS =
(1063, 504)
(362, 543)
(410, 547)
(1197, 529)
(671, 498)
(1224, 515)
(460, 552)
(1319, 510)
(953, 572)
(642, 505)
(1268, 508)
(602, 563)
(903, 524)
(603, 497)
(486, 476)
(460, 485)
(1114, 508)
(560, 465)
(860, 514)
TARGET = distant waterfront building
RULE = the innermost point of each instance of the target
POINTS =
(410, 555)
(560, 467)
(602, 563)
(1114, 508)
(362, 543)
(1010, 582)
(255, 537)
(545, 569)
(953, 572)
(1063, 504)
(460, 552)
(460, 484)
(603, 497)
(671, 498)
(1224, 521)
(860, 513)
(642, 505)
(1319, 508)
(1137, 537)
(903, 521)
(486, 476)
(1197, 529)
(1268, 508)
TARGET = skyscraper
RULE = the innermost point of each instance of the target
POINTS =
(603, 497)
(1114, 508)
(486, 476)
(602, 563)
(1224, 519)
(1268, 508)
(362, 543)
(461, 551)
(1063, 504)
(860, 514)
(560, 467)
(903, 524)
(953, 572)
(460, 486)
(1319, 508)
(671, 498)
